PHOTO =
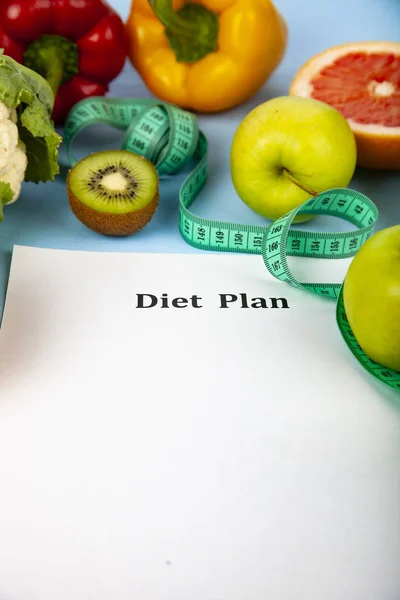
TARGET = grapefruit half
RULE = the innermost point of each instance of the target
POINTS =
(362, 81)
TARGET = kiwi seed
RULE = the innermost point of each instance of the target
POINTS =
(113, 192)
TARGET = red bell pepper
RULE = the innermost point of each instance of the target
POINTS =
(79, 47)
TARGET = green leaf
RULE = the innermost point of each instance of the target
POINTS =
(31, 95)
(6, 195)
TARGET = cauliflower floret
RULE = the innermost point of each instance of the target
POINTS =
(19, 160)
(13, 160)
(13, 115)
(8, 137)
(15, 174)
(13, 179)
(4, 112)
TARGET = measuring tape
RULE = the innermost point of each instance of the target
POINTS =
(169, 137)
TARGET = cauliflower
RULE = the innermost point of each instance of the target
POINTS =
(13, 159)
(28, 141)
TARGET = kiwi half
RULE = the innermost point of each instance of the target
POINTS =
(113, 192)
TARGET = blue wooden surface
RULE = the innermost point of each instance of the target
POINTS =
(42, 217)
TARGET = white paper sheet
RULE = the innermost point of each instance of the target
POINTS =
(188, 453)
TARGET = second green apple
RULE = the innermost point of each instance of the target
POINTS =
(289, 149)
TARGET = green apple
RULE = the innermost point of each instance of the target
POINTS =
(289, 149)
(371, 297)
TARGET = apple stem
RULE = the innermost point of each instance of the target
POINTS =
(300, 185)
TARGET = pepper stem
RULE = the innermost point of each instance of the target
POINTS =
(54, 57)
(54, 74)
(192, 32)
(171, 20)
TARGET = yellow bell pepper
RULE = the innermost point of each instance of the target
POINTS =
(206, 56)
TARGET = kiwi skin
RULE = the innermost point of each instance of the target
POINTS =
(117, 225)
(109, 224)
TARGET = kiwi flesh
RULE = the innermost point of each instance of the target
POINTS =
(113, 192)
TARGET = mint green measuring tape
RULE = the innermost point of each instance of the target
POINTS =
(169, 137)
